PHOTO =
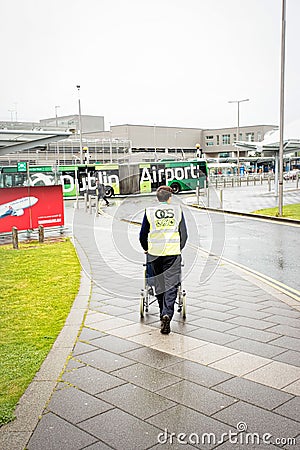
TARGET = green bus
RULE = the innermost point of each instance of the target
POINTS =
(119, 179)
(145, 177)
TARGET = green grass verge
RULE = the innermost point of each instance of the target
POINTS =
(288, 211)
(38, 284)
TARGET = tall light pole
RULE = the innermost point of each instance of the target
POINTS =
(80, 125)
(238, 129)
(56, 124)
(56, 118)
(155, 153)
(176, 132)
(110, 142)
(281, 125)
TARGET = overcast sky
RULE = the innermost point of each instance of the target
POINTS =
(163, 62)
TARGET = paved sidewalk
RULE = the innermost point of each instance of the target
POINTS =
(233, 365)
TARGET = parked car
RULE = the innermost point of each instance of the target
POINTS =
(291, 175)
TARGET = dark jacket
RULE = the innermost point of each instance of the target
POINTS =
(101, 189)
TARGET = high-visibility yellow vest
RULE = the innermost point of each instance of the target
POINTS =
(164, 237)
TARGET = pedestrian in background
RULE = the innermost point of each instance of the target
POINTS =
(100, 191)
(163, 235)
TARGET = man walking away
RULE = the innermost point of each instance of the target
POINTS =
(100, 190)
(163, 235)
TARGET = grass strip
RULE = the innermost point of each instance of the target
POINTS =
(288, 211)
(38, 285)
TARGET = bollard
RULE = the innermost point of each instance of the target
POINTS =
(41, 234)
(86, 201)
(15, 238)
(269, 183)
(247, 179)
(198, 194)
(207, 193)
(77, 194)
(221, 199)
(90, 204)
(261, 179)
(232, 181)
(297, 180)
(254, 181)
(97, 206)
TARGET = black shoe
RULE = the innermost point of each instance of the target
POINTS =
(165, 325)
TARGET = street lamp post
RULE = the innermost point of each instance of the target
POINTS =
(56, 124)
(56, 117)
(238, 129)
(176, 132)
(281, 125)
(80, 125)
(155, 153)
(110, 142)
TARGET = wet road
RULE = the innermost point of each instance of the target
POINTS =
(266, 247)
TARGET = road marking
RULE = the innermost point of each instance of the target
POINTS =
(275, 220)
(287, 290)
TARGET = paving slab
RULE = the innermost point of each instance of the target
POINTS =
(240, 363)
(104, 360)
(115, 428)
(91, 380)
(257, 348)
(152, 357)
(289, 357)
(137, 401)
(290, 409)
(54, 433)
(88, 334)
(252, 333)
(197, 373)
(213, 336)
(287, 342)
(197, 397)
(258, 420)
(208, 354)
(114, 344)
(194, 425)
(253, 393)
(293, 388)
(212, 324)
(275, 374)
(75, 405)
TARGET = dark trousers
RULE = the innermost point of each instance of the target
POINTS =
(167, 277)
(103, 196)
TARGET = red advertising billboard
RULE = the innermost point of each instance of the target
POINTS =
(27, 208)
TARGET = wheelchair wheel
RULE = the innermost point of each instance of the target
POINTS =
(142, 304)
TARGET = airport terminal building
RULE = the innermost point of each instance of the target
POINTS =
(123, 143)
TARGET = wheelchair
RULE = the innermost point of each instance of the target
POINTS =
(148, 293)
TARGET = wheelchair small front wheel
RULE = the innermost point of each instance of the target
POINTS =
(142, 305)
(184, 305)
